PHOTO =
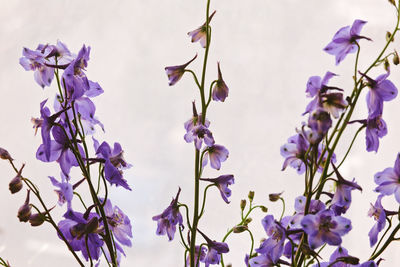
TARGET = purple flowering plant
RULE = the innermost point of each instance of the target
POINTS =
(92, 225)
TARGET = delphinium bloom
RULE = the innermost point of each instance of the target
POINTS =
(222, 182)
(381, 89)
(36, 60)
(197, 253)
(217, 154)
(379, 214)
(345, 41)
(114, 163)
(195, 120)
(261, 261)
(300, 205)
(198, 134)
(325, 227)
(320, 122)
(331, 102)
(175, 73)
(119, 224)
(388, 180)
(273, 246)
(65, 192)
(375, 129)
(200, 34)
(341, 200)
(78, 227)
(220, 90)
(169, 218)
(215, 249)
(294, 153)
(336, 259)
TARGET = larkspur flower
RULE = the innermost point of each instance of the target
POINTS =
(36, 60)
(175, 73)
(215, 249)
(169, 218)
(119, 224)
(300, 205)
(376, 128)
(294, 153)
(114, 163)
(222, 182)
(65, 192)
(76, 228)
(320, 122)
(195, 120)
(198, 134)
(200, 34)
(345, 41)
(325, 227)
(378, 212)
(388, 180)
(273, 246)
(217, 154)
(261, 261)
(220, 90)
(381, 89)
(335, 259)
(197, 253)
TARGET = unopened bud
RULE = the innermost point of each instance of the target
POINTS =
(36, 219)
(4, 154)
(240, 228)
(247, 221)
(251, 196)
(264, 209)
(349, 259)
(275, 196)
(396, 60)
(392, 2)
(242, 204)
(16, 183)
(229, 265)
(24, 212)
(388, 36)
(386, 65)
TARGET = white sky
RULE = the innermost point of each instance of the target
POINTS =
(267, 49)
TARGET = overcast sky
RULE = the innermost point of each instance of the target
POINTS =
(267, 50)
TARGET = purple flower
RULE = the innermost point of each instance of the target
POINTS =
(325, 227)
(222, 182)
(198, 134)
(200, 34)
(175, 73)
(294, 153)
(345, 41)
(36, 60)
(77, 227)
(169, 218)
(273, 246)
(75, 79)
(119, 224)
(215, 249)
(300, 205)
(320, 122)
(220, 90)
(60, 151)
(261, 261)
(340, 252)
(217, 154)
(388, 180)
(114, 163)
(376, 128)
(65, 192)
(379, 214)
(381, 90)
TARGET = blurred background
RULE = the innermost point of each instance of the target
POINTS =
(267, 51)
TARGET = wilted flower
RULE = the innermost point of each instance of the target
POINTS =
(4, 154)
(200, 34)
(16, 183)
(169, 218)
(220, 90)
(24, 212)
(222, 182)
(175, 73)
(345, 41)
(36, 219)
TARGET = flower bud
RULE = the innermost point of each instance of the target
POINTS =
(388, 36)
(4, 154)
(264, 209)
(349, 259)
(251, 196)
(242, 204)
(36, 219)
(396, 60)
(24, 212)
(247, 221)
(16, 183)
(229, 265)
(240, 228)
(393, 2)
(275, 196)
(386, 65)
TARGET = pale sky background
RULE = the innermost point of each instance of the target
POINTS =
(267, 49)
